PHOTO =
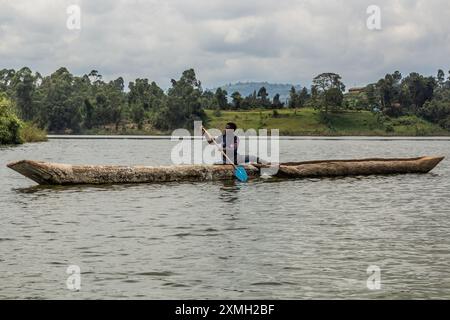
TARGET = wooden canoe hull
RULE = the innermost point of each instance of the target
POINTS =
(62, 174)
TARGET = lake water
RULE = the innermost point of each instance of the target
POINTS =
(302, 239)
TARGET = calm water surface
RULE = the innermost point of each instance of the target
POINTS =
(263, 239)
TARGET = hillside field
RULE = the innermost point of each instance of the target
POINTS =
(307, 121)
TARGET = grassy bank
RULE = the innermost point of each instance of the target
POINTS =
(304, 122)
(309, 122)
(126, 130)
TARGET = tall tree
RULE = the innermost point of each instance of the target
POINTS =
(23, 85)
(303, 97)
(61, 104)
(262, 93)
(221, 99)
(237, 100)
(416, 90)
(440, 78)
(293, 98)
(183, 104)
(6, 77)
(9, 123)
(276, 102)
(328, 89)
(437, 109)
(263, 100)
(148, 95)
(207, 99)
(389, 90)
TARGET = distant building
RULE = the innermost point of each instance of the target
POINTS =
(356, 90)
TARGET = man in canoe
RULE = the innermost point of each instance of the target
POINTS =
(229, 143)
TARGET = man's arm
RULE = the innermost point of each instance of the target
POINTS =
(208, 138)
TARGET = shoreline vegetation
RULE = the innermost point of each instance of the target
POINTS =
(31, 133)
(301, 122)
(15, 131)
(63, 103)
(308, 122)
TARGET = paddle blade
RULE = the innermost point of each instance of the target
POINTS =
(241, 174)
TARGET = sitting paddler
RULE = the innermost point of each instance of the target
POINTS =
(230, 144)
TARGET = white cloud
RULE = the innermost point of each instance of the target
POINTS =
(225, 41)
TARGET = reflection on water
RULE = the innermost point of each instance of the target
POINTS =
(230, 191)
(268, 238)
(52, 189)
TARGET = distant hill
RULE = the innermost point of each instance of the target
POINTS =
(247, 88)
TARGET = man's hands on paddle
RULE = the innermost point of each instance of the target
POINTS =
(209, 139)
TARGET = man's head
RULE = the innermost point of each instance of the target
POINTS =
(231, 126)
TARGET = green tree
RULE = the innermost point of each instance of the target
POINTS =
(303, 97)
(62, 105)
(10, 124)
(372, 99)
(145, 100)
(251, 101)
(276, 102)
(138, 115)
(221, 99)
(207, 100)
(437, 109)
(247, 102)
(183, 104)
(293, 98)
(23, 85)
(237, 100)
(328, 90)
(95, 77)
(146, 94)
(440, 78)
(89, 115)
(333, 98)
(415, 91)
(389, 90)
(263, 100)
(109, 101)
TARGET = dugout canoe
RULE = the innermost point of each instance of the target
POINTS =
(46, 173)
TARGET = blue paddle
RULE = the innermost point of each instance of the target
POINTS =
(239, 171)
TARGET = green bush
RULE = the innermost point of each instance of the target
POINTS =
(445, 123)
(31, 133)
(405, 121)
(389, 128)
(10, 124)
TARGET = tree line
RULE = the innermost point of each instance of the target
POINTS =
(393, 96)
(425, 96)
(258, 99)
(63, 102)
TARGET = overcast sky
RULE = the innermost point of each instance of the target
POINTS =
(286, 41)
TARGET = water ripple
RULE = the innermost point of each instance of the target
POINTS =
(269, 238)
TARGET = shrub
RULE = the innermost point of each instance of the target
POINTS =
(389, 128)
(445, 123)
(31, 133)
(10, 124)
(405, 122)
